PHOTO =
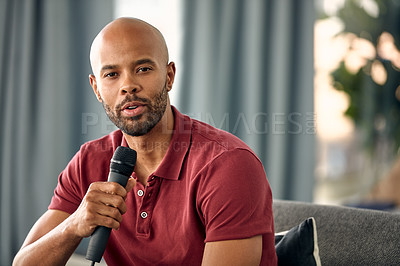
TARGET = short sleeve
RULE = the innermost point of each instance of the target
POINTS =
(67, 195)
(90, 164)
(234, 197)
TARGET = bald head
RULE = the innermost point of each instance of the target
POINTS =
(127, 30)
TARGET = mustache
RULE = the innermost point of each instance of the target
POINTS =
(133, 98)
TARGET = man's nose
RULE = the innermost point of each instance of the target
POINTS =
(129, 84)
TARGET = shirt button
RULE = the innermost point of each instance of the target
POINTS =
(143, 215)
(140, 192)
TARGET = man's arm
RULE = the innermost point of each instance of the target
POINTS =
(233, 182)
(56, 234)
(233, 252)
(48, 242)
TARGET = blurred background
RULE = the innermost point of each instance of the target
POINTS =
(312, 86)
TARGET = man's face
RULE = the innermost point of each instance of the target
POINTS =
(132, 80)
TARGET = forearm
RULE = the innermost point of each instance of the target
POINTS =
(57, 234)
(54, 248)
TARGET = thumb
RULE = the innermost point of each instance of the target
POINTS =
(131, 183)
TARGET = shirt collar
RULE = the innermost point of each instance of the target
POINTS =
(172, 162)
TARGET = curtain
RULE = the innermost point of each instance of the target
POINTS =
(248, 69)
(47, 106)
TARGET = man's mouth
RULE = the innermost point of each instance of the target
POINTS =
(133, 109)
(132, 105)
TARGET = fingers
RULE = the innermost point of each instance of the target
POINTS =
(107, 200)
(129, 186)
(112, 188)
(108, 187)
(103, 205)
(108, 216)
(101, 215)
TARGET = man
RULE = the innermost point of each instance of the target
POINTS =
(198, 195)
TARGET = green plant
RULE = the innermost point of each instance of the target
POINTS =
(374, 87)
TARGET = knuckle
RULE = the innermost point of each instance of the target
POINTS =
(119, 189)
(89, 196)
(109, 222)
(92, 195)
(92, 186)
(89, 216)
(121, 205)
(123, 208)
(120, 202)
(114, 186)
(115, 212)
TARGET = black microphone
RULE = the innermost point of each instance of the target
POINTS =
(121, 167)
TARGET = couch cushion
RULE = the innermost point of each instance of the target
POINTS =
(299, 245)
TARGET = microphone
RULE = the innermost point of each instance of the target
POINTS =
(121, 167)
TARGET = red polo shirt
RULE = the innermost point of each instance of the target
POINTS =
(210, 186)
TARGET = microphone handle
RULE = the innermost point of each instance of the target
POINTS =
(98, 240)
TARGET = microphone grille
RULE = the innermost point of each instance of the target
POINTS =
(123, 160)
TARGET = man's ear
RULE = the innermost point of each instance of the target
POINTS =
(93, 83)
(170, 75)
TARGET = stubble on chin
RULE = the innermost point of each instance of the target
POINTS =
(143, 123)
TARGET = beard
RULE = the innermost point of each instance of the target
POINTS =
(132, 125)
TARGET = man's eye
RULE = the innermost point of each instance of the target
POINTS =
(110, 75)
(143, 69)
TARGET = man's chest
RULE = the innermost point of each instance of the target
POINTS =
(162, 217)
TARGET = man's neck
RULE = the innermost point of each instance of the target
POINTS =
(152, 147)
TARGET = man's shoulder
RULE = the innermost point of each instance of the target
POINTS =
(205, 134)
(207, 140)
(210, 144)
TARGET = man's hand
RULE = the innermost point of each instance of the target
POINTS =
(103, 205)
(56, 234)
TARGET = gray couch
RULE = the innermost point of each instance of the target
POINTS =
(346, 236)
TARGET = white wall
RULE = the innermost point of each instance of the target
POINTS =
(167, 17)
